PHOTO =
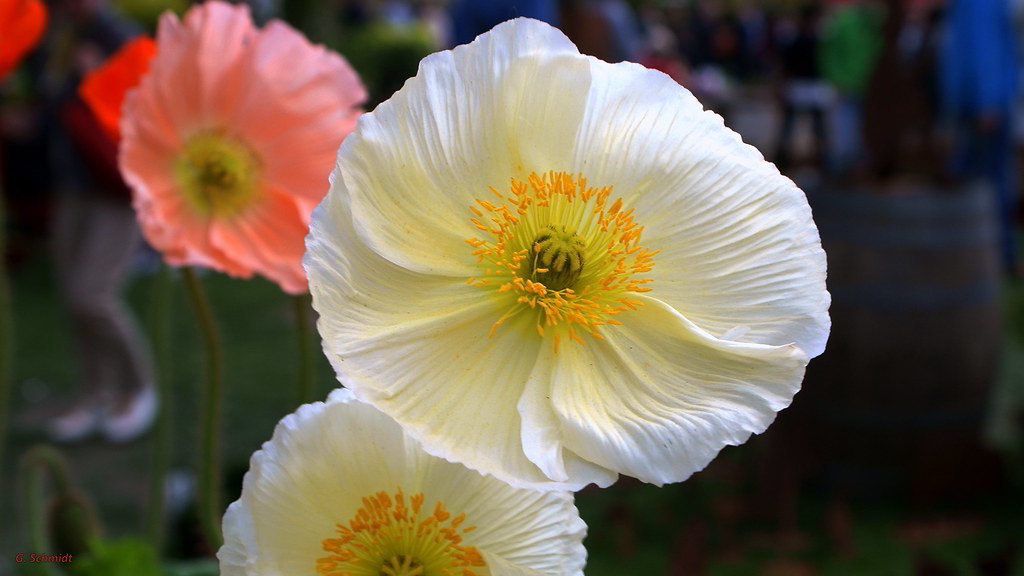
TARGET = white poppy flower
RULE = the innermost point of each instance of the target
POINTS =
(340, 490)
(554, 269)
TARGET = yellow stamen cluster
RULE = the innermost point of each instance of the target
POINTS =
(218, 174)
(520, 224)
(386, 538)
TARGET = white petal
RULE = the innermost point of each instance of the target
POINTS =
(506, 104)
(416, 346)
(739, 256)
(322, 460)
(658, 398)
(737, 243)
(452, 388)
(542, 433)
(518, 531)
(239, 547)
(360, 294)
(500, 567)
(291, 492)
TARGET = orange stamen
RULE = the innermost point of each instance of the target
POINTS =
(384, 533)
(613, 255)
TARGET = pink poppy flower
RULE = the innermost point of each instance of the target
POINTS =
(228, 141)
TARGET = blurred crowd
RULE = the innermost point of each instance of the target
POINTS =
(859, 88)
(884, 85)
(859, 91)
(888, 97)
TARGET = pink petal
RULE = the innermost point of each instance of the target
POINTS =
(269, 238)
(289, 101)
(306, 109)
(197, 72)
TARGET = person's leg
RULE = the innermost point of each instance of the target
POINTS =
(67, 230)
(838, 144)
(996, 156)
(784, 140)
(94, 242)
(104, 254)
(820, 133)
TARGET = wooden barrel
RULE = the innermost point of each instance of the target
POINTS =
(898, 398)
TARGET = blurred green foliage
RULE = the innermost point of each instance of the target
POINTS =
(384, 55)
(121, 557)
(696, 527)
(147, 12)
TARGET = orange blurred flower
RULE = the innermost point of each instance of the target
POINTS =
(104, 87)
(228, 141)
(21, 26)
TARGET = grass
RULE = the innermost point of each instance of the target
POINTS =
(257, 326)
(713, 524)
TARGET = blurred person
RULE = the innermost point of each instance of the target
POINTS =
(24, 167)
(730, 46)
(802, 91)
(94, 234)
(678, 19)
(895, 110)
(606, 29)
(662, 53)
(978, 87)
(701, 40)
(754, 21)
(1018, 24)
(851, 43)
(920, 47)
(397, 12)
(627, 41)
(470, 18)
(434, 15)
(701, 19)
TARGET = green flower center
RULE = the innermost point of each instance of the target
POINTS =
(557, 257)
(402, 565)
(219, 175)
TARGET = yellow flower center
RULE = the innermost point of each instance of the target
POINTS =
(385, 538)
(219, 174)
(563, 250)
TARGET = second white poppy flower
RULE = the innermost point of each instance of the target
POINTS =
(341, 490)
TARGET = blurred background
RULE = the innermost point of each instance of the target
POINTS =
(900, 119)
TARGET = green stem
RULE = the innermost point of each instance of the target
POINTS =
(33, 484)
(36, 464)
(49, 459)
(307, 388)
(209, 449)
(6, 335)
(161, 337)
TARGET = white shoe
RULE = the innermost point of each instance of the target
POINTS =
(135, 420)
(73, 426)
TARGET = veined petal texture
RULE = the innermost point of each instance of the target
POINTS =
(341, 489)
(554, 269)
